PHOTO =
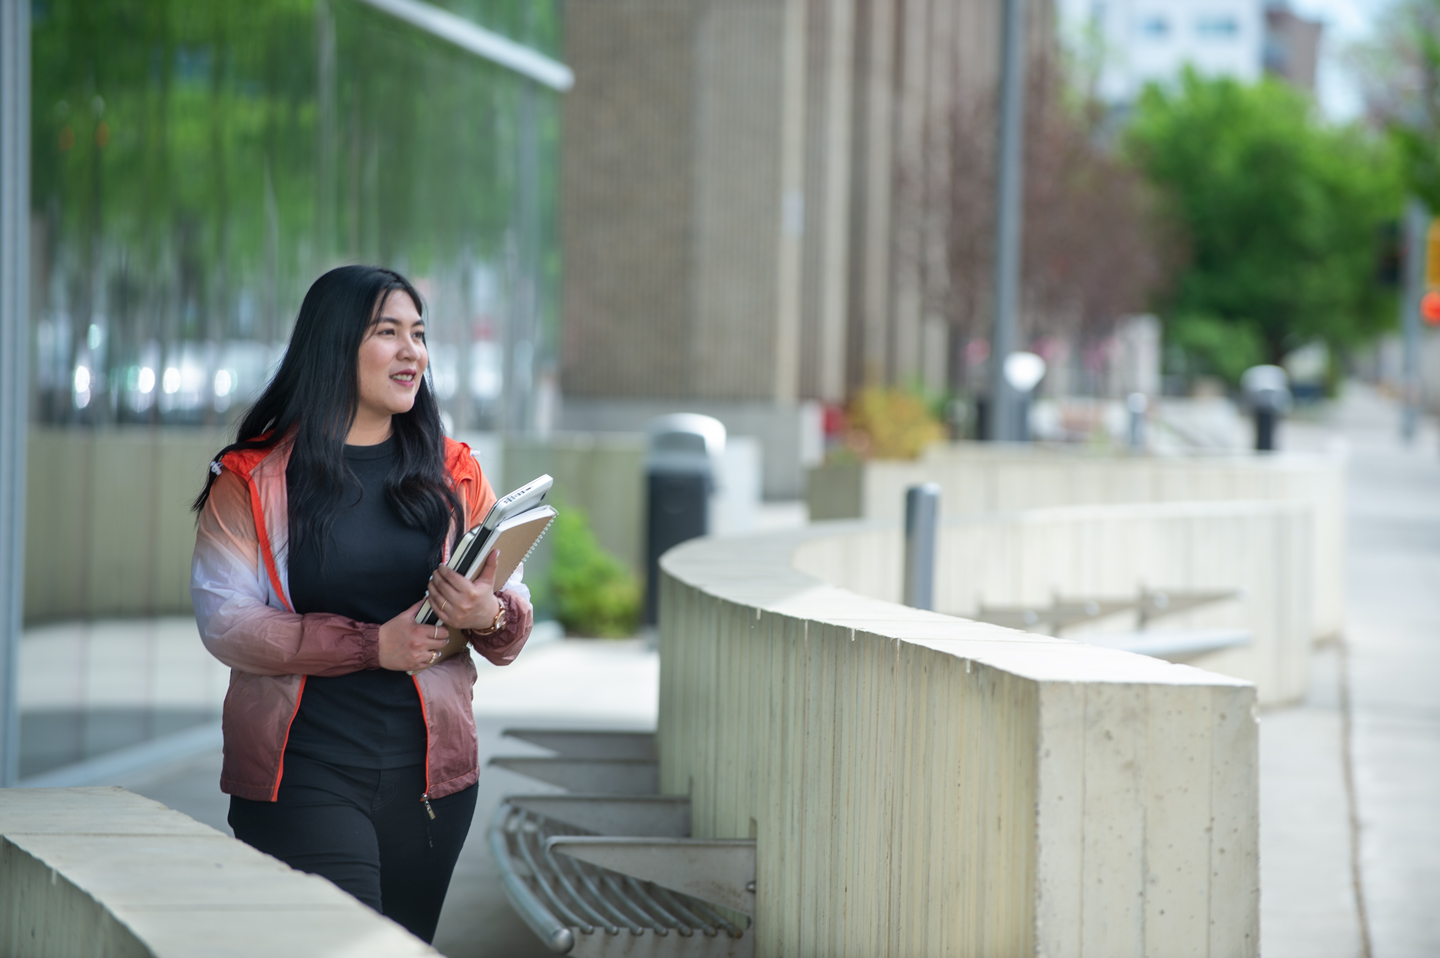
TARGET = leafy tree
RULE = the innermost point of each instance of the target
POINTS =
(1281, 214)
(1399, 70)
(1092, 251)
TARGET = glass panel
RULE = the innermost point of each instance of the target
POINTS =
(196, 165)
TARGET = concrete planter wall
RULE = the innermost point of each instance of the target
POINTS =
(987, 479)
(603, 474)
(100, 871)
(108, 527)
(1260, 549)
(923, 785)
(109, 532)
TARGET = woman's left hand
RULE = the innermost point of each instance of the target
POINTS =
(462, 604)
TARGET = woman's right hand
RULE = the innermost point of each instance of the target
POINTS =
(408, 647)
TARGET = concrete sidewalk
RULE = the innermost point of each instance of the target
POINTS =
(1350, 849)
(1393, 637)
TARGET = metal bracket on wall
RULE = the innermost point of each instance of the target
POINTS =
(1061, 614)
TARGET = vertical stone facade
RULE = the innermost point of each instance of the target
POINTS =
(628, 198)
(750, 187)
(673, 208)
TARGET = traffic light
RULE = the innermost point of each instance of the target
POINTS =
(1430, 308)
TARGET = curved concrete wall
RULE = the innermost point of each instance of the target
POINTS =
(101, 871)
(1028, 558)
(985, 478)
(924, 785)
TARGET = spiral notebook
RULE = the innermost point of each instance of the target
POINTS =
(512, 527)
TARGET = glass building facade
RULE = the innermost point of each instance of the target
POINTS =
(196, 164)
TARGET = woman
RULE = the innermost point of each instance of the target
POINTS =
(320, 533)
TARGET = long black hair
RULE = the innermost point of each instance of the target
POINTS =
(312, 400)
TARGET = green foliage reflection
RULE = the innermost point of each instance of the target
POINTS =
(197, 163)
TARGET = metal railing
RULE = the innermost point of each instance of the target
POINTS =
(613, 868)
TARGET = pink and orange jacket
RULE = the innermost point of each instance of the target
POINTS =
(240, 586)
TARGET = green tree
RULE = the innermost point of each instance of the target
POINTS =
(1399, 71)
(1280, 212)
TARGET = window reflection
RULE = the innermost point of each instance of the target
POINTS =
(191, 181)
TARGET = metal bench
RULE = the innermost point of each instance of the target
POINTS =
(610, 869)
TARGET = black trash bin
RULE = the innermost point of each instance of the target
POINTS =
(680, 471)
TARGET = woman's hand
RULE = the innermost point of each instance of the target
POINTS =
(408, 647)
(462, 604)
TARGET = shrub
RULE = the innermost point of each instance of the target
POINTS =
(591, 592)
(891, 424)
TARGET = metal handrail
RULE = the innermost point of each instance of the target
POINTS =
(556, 936)
(560, 891)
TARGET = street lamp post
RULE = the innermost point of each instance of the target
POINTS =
(1010, 173)
(1415, 226)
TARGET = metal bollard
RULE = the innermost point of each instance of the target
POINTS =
(1136, 404)
(922, 516)
(1267, 393)
(1265, 429)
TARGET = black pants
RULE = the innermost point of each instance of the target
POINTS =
(367, 831)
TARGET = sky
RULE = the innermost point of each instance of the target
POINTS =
(1346, 21)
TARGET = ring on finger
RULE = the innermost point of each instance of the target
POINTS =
(442, 603)
(434, 656)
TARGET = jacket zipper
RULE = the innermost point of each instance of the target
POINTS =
(425, 797)
(280, 772)
(425, 713)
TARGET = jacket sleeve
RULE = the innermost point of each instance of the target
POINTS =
(230, 592)
(502, 647)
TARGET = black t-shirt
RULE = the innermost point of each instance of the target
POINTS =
(373, 568)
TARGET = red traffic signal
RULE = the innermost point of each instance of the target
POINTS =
(1430, 308)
